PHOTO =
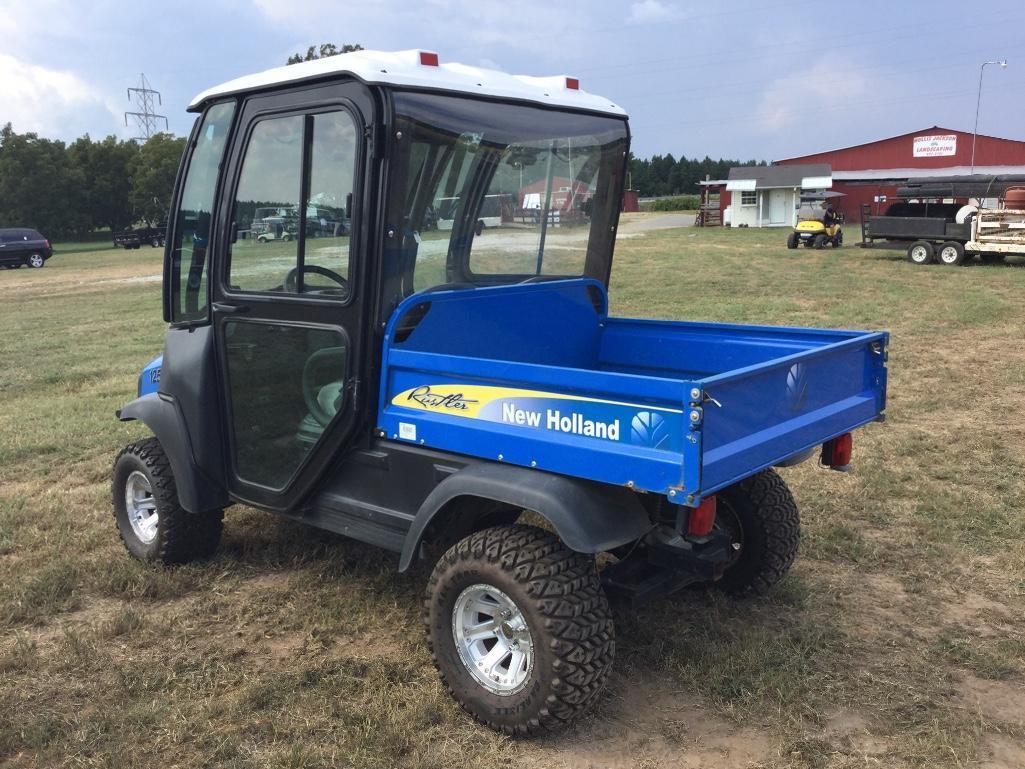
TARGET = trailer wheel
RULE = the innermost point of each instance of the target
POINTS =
(792, 240)
(951, 253)
(921, 252)
(519, 628)
(761, 518)
(819, 241)
(152, 523)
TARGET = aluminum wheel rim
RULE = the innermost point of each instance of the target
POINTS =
(918, 254)
(948, 255)
(35, 261)
(141, 507)
(492, 639)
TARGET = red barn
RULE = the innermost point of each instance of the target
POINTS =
(871, 172)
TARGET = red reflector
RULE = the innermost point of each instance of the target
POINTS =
(702, 518)
(837, 452)
(428, 59)
(573, 83)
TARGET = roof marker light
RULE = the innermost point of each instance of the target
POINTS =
(428, 59)
(573, 83)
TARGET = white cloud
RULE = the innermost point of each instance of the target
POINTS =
(467, 29)
(47, 101)
(651, 11)
(791, 100)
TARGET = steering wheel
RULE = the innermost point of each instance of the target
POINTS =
(292, 283)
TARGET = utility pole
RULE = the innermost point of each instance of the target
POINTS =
(146, 119)
(978, 101)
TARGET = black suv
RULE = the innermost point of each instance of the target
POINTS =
(20, 246)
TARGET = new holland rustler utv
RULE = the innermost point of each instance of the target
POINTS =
(419, 390)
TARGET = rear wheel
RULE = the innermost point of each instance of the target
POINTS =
(819, 241)
(152, 523)
(761, 518)
(792, 240)
(951, 253)
(519, 628)
(920, 252)
(35, 260)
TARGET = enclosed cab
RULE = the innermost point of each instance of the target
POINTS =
(419, 387)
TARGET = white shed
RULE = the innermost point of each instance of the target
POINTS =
(769, 196)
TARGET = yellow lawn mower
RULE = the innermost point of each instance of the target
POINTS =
(816, 227)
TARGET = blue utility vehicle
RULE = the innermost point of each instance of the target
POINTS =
(419, 388)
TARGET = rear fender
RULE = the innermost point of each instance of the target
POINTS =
(161, 414)
(588, 517)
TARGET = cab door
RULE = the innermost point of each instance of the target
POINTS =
(288, 304)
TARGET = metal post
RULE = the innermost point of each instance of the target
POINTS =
(978, 101)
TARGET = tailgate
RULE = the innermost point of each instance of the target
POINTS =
(760, 415)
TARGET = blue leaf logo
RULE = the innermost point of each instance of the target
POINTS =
(649, 429)
(797, 386)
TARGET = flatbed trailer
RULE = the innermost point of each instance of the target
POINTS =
(990, 235)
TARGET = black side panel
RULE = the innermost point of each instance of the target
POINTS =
(162, 415)
(587, 516)
(189, 376)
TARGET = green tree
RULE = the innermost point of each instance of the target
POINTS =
(107, 168)
(155, 166)
(38, 186)
(323, 51)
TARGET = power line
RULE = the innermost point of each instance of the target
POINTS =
(146, 119)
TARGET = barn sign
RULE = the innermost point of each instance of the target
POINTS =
(943, 145)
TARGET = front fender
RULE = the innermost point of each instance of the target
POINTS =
(197, 493)
(589, 517)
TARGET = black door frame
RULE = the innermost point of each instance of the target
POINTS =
(348, 316)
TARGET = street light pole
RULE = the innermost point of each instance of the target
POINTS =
(978, 101)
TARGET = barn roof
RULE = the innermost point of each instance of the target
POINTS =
(919, 132)
(407, 69)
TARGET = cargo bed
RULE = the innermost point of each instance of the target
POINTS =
(538, 375)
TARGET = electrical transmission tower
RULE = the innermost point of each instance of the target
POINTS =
(146, 119)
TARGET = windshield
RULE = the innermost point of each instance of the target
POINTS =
(486, 193)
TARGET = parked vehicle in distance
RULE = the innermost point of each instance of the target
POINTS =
(22, 245)
(951, 233)
(134, 238)
(419, 394)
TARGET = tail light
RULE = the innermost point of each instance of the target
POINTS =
(46, 242)
(702, 518)
(836, 454)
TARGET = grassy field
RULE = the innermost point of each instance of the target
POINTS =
(898, 640)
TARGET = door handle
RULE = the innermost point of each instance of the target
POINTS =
(229, 308)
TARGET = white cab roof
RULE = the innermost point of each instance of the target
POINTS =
(403, 68)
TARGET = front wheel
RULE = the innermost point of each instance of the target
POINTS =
(519, 628)
(152, 523)
(920, 252)
(761, 518)
(792, 240)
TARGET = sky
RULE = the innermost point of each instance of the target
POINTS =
(745, 79)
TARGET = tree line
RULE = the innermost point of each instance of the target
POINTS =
(662, 175)
(69, 190)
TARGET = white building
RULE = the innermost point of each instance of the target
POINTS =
(769, 196)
